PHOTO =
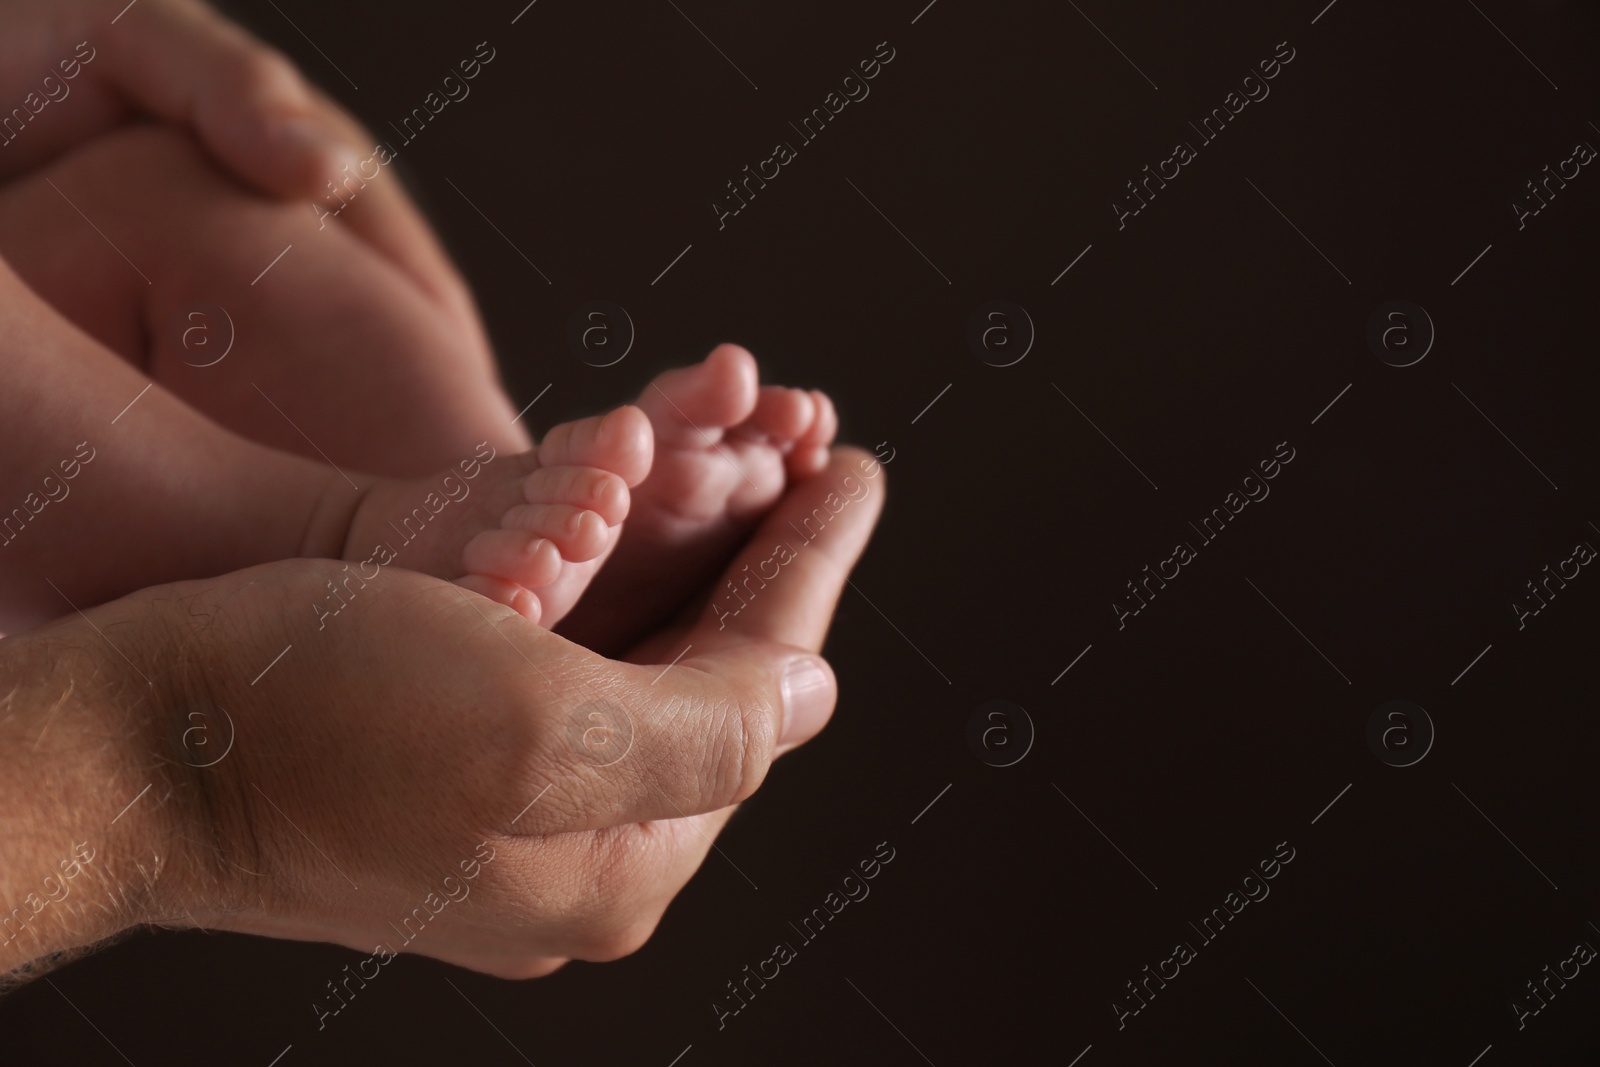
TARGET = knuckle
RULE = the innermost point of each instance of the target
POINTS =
(618, 941)
(264, 72)
(522, 969)
(604, 907)
(749, 737)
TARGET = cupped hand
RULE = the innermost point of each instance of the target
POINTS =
(428, 772)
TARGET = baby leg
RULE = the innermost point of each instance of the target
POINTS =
(269, 318)
(113, 484)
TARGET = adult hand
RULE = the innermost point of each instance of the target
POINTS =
(71, 69)
(425, 765)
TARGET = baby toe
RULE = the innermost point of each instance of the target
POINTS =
(500, 591)
(514, 555)
(810, 453)
(691, 406)
(581, 487)
(621, 442)
(782, 416)
(826, 425)
(579, 534)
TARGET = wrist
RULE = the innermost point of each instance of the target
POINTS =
(86, 835)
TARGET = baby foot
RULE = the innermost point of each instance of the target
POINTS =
(519, 529)
(726, 450)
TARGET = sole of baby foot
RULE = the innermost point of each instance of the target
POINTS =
(727, 448)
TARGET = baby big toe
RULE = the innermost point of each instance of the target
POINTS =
(691, 406)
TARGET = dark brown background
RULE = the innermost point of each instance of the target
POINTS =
(1197, 338)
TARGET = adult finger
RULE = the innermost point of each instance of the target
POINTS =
(698, 734)
(785, 584)
(182, 61)
(622, 879)
(271, 128)
(377, 209)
